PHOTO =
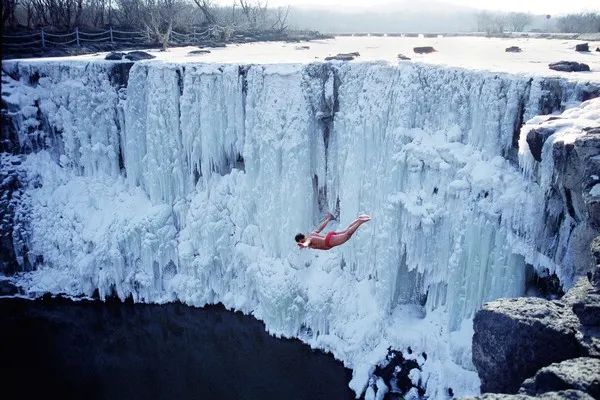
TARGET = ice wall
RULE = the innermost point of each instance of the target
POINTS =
(188, 182)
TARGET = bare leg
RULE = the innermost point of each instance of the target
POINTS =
(356, 223)
(342, 237)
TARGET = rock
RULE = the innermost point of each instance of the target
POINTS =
(215, 44)
(138, 55)
(586, 148)
(424, 50)
(569, 66)
(119, 73)
(597, 48)
(114, 56)
(536, 139)
(515, 337)
(403, 57)
(582, 47)
(513, 49)
(7, 288)
(578, 373)
(302, 47)
(595, 247)
(584, 300)
(396, 373)
(341, 57)
(198, 52)
(562, 395)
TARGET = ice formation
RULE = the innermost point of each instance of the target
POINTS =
(188, 182)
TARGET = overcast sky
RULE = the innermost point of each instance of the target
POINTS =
(533, 6)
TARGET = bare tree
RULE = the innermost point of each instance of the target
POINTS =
(159, 16)
(491, 23)
(130, 13)
(207, 7)
(254, 12)
(8, 12)
(518, 21)
(60, 14)
(280, 19)
(581, 23)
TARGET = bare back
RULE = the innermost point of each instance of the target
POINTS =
(317, 242)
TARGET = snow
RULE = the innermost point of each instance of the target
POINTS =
(464, 52)
(191, 184)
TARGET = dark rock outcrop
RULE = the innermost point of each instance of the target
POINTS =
(198, 52)
(516, 337)
(555, 345)
(340, 57)
(10, 195)
(579, 374)
(572, 204)
(536, 139)
(582, 47)
(513, 49)
(343, 56)
(569, 66)
(584, 300)
(114, 56)
(138, 55)
(595, 274)
(424, 50)
(396, 372)
(119, 74)
(402, 57)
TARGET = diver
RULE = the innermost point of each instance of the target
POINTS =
(317, 241)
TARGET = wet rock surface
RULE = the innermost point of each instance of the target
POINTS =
(579, 373)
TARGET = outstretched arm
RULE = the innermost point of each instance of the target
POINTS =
(323, 223)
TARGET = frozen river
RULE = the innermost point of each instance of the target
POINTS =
(465, 52)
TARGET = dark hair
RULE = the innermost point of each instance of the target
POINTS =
(299, 237)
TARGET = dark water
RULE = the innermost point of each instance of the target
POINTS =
(94, 350)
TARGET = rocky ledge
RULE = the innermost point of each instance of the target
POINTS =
(528, 346)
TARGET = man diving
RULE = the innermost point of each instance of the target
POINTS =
(332, 239)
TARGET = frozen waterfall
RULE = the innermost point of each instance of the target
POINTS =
(188, 182)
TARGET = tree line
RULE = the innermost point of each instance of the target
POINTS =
(498, 23)
(162, 15)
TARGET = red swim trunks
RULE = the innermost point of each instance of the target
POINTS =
(328, 239)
